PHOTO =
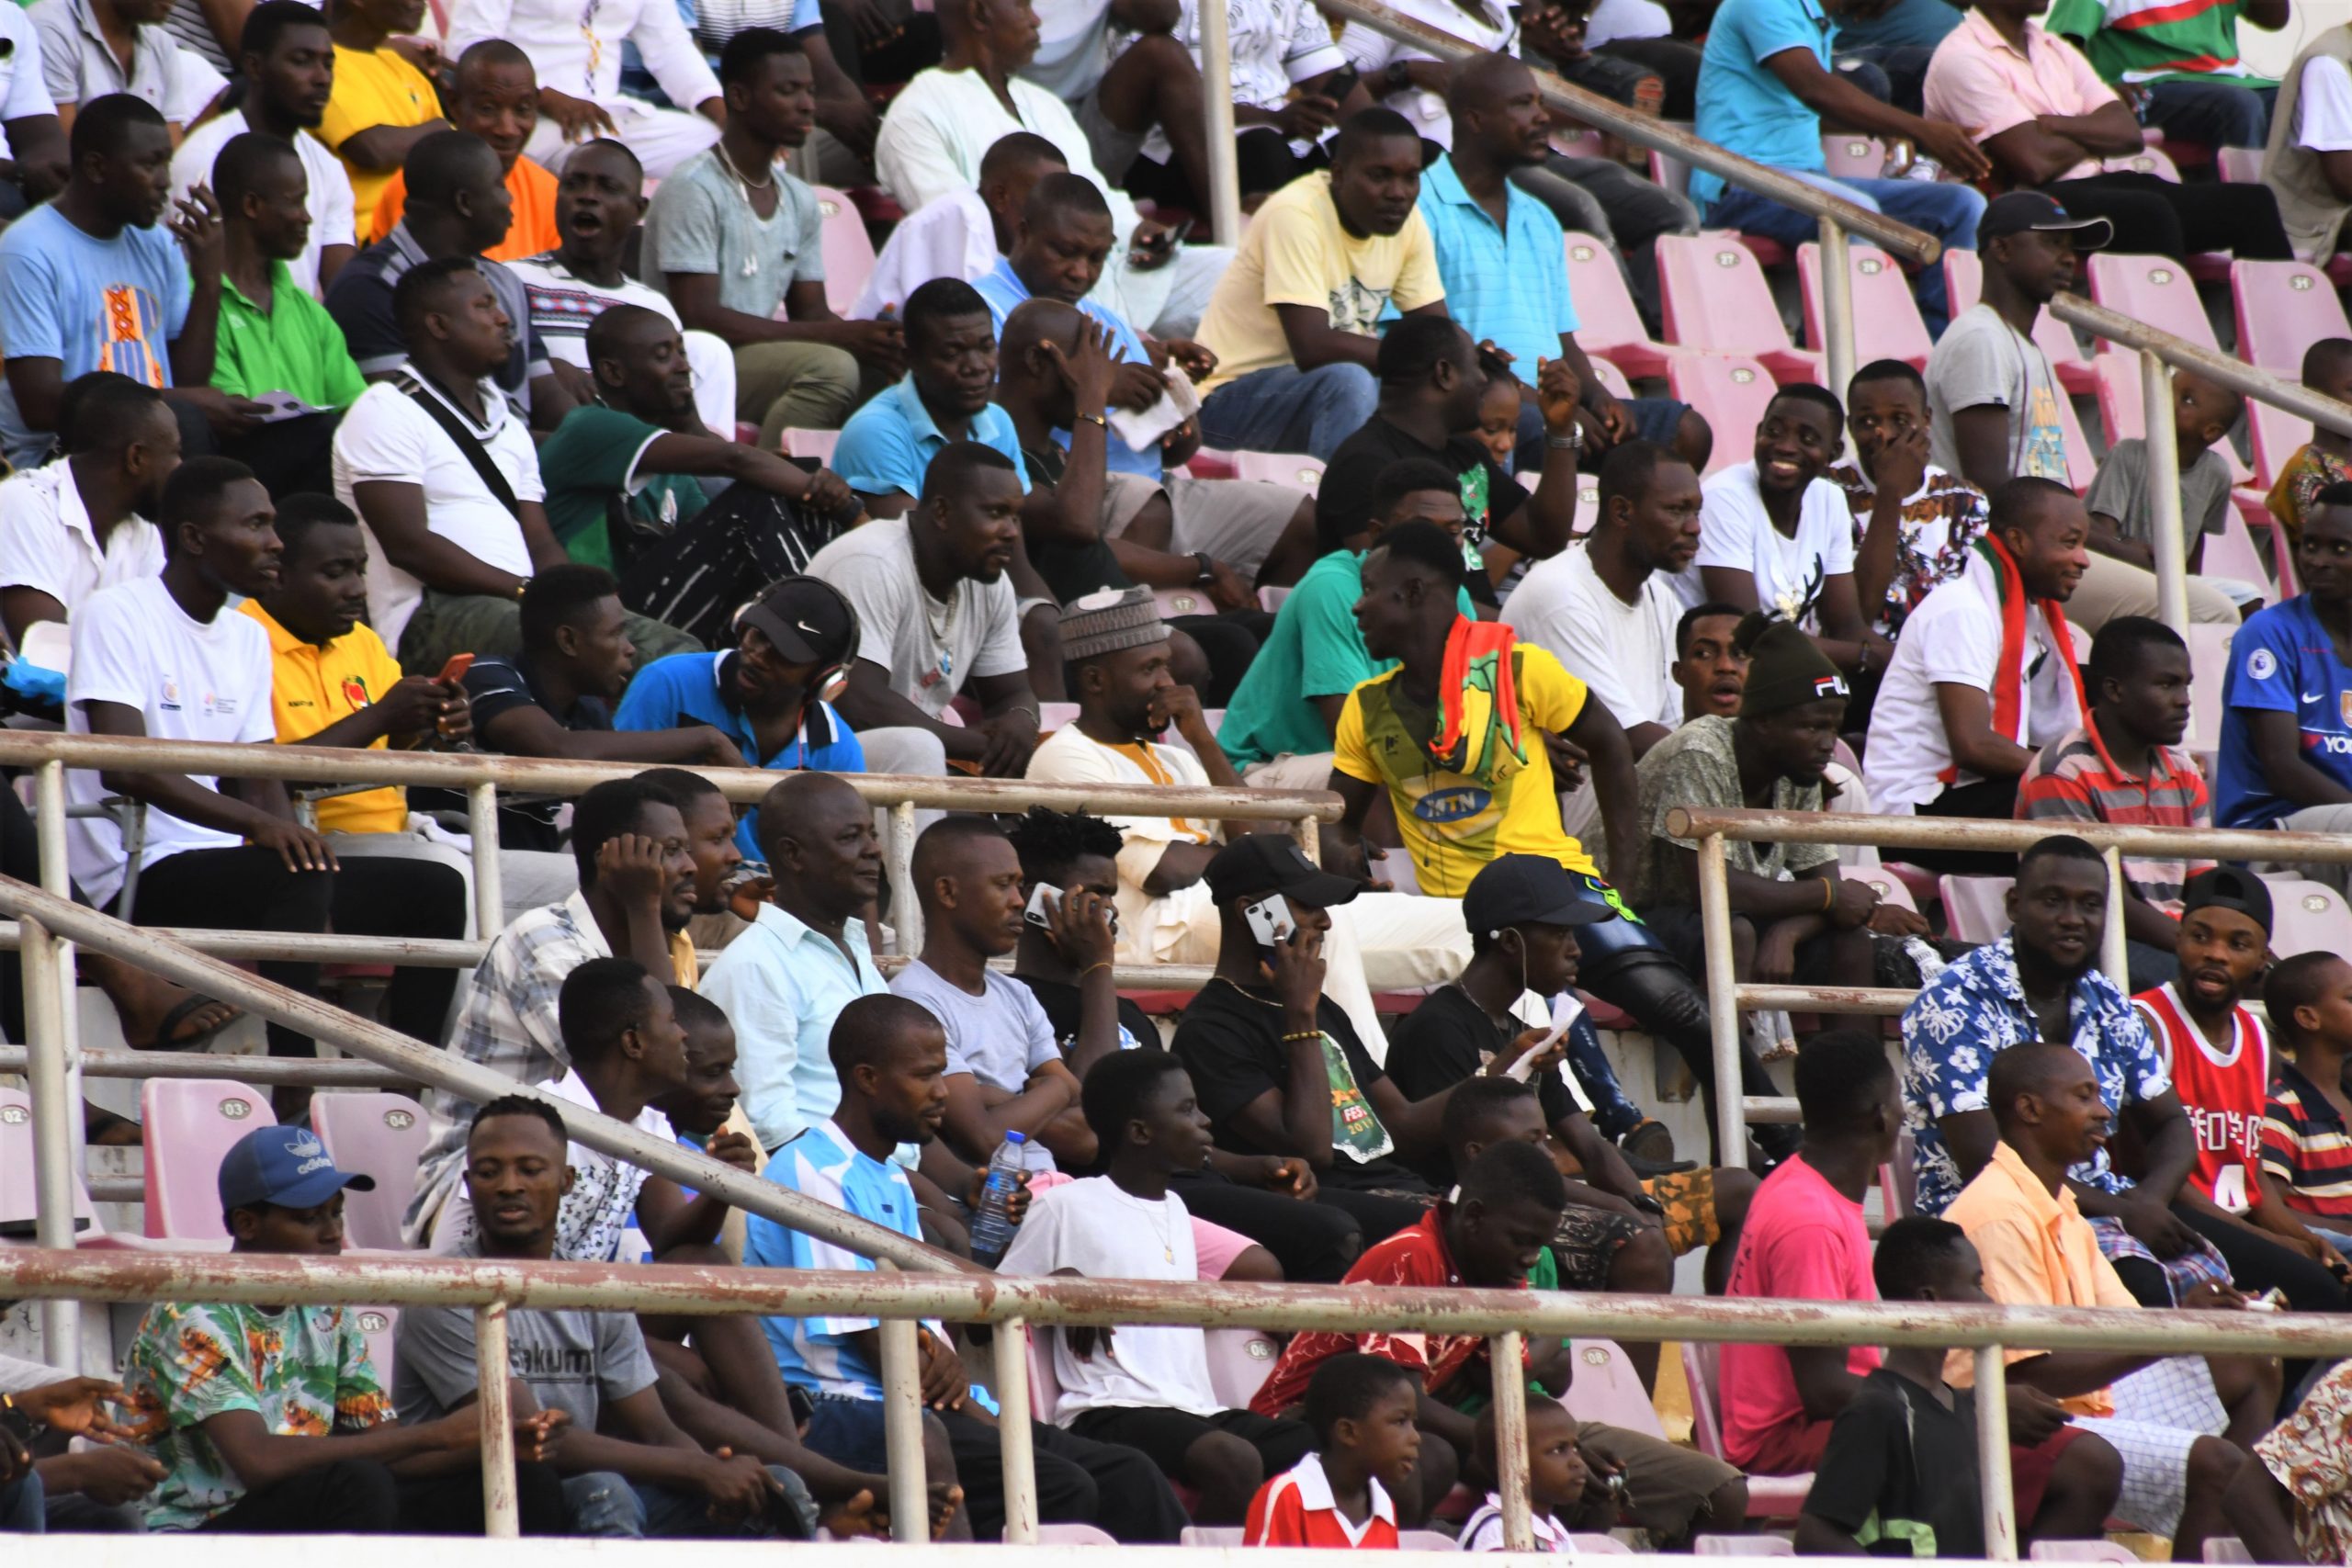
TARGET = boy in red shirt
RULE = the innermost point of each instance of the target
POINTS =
(1364, 1412)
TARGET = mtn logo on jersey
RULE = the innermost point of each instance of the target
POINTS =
(1453, 805)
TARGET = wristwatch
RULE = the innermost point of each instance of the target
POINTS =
(1208, 569)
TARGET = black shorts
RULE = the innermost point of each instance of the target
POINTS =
(1165, 1436)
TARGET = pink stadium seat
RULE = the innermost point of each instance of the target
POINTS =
(817, 445)
(1592, 1542)
(1886, 319)
(2310, 917)
(2154, 289)
(2209, 669)
(1853, 157)
(1240, 1360)
(1671, 173)
(1608, 325)
(1175, 601)
(19, 1204)
(1974, 906)
(2082, 1551)
(188, 1125)
(2123, 414)
(1606, 1389)
(1731, 393)
(2238, 167)
(1891, 888)
(2150, 160)
(1717, 301)
(1210, 1535)
(2276, 436)
(1769, 1496)
(1964, 282)
(1270, 599)
(377, 1324)
(848, 248)
(1898, 1178)
(1076, 1535)
(1295, 470)
(2232, 553)
(2227, 1548)
(1743, 1546)
(1610, 377)
(1055, 716)
(2283, 307)
(381, 1134)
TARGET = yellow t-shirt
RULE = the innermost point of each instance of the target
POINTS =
(311, 687)
(1296, 252)
(1452, 825)
(373, 87)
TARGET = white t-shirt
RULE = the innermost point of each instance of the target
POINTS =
(1103, 1234)
(2323, 107)
(1790, 573)
(190, 680)
(333, 216)
(1614, 19)
(1954, 636)
(1621, 652)
(1150, 926)
(928, 649)
(387, 438)
(562, 305)
(23, 94)
(1494, 29)
(47, 541)
(598, 1214)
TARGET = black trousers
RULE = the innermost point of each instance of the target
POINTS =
(2257, 1264)
(1658, 994)
(2158, 218)
(290, 456)
(1313, 1242)
(716, 561)
(363, 1497)
(1114, 1488)
(247, 888)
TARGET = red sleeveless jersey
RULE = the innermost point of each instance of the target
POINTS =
(2223, 1092)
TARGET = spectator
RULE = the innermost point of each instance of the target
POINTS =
(743, 258)
(62, 264)
(80, 526)
(2327, 458)
(2301, 162)
(1766, 87)
(2176, 1421)
(1557, 1479)
(458, 207)
(949, 550)
(1985, 674)
(2123, 511)
(84, 47)
(963, 233)
(1774, 535)
(2047, 122)
(381, 104)
(97, 1489)
(36, 142)
(2305, 1149)
(2190, 82)
(1154, 1392)
(2042, 981)
(2286, 760)
(704, 1106)
(596, 208)
(2124, 766)
(627, 1470)
(1912, 521)
(1362, 1412)
(637, 892)
(287, 63)
(1792, 913)
(1900, 38)
(585, 57)
(1608, 612)
(1621, 33)
(807, 955)
(889, 1057)
(275, 1420)
(495, 96)
(627, 492)
(1709, 665)
(2292, 1505)
(1295, 322)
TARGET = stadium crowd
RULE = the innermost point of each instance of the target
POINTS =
(366, 390)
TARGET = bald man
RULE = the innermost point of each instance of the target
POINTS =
(496, 98)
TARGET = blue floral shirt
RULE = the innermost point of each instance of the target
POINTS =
(1977, 1008)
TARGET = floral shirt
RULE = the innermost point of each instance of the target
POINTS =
(1942, 518)
(305, 1370)
(2310, 1454)
(1975, 1010)
(2307, 473)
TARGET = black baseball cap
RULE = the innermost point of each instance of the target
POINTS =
(2030, 211)
(808, 620)
(1530, 890)
(2228, 887)
(1258, 864)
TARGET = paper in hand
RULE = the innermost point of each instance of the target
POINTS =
(1565, 1010)
(1144, 431)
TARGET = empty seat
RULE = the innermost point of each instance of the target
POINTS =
(1731, 393)
(1743, 1546)
(188, 1125)
(2283, 307)
(19, 1200)
(1975, 907)
(2209, 671)
(381, 1135)
(1769, 1496)
(1608, 327)
(1964, 285)
(1716, 299)
(1606, 1389)
(848, 248)
(2154, 289)
(2309, 917)
(1886, 319)
(1295, 470)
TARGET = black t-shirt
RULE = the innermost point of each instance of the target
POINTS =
(1072, 571)
(495, 686)
(1447, 1039)
(1065, 1009)
(1231, 1042)
(1343, 500)
(1899, 1462)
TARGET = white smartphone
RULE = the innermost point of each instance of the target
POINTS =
(1269, 920)
(1035, 914)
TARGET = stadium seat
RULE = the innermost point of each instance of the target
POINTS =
(1886, 319)
(1743, 1546)
(1769, 1496)
(1589, 1541)
(1671, 173)
(2232, 553)
(1606, 1389)
(2154, 289)
(2276, 436)
(1210, 1535)
(1607, 375)
(1270, 599)
(1075, 1535)
(814, 444)
(2226, 1547)
(2209, 669)
(1176, 602)
(1608, 325)
(1716, 300)
(1295, 470)
(2283, 307)
(2123, 413)
(1974, 906)
(381, 1135)
(1898, 1178)
(2238, 167)
(848, 248)
(1964, 283)
(1240, 1360)
(1891, 888)
(377, 1324)
(2309, 917)
(2083, 1551)
(1850, 156)
(1730, 393)
(19, 1204)
(188, 1125)
(1055, 716)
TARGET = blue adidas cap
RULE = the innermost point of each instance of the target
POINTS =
(285, 1165)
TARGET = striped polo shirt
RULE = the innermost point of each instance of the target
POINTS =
(2074, 779)
(2306, 1145)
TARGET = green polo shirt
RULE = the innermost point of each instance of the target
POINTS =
(294, 348)
(591, 458)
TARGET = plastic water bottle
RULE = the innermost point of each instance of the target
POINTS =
(991, 1224)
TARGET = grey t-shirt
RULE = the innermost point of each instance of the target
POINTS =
(573, 1360)
(701, 220)
(999, 1037)
(1982, 359)
(2120, 491)
(931, 651)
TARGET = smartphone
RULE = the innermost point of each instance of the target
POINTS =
(1269, 920)
(1341, 82)
(1035, 914)
(454, 671)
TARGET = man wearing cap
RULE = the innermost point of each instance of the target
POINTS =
(275, 1419)
(1995, 409)
(1791, 913)
(1118, 651)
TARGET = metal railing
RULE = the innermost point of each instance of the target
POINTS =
(1726, 995)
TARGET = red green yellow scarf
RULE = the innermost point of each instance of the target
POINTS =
(1478, 729)
(2009, 675)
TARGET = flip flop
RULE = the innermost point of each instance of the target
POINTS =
(173, 1018)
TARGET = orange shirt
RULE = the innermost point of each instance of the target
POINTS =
(532, 233)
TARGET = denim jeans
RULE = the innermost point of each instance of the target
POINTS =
(2215, 114)
(604, 1504)
(1949, 212)
(1284, 408)
(22, 1508)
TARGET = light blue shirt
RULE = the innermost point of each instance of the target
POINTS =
(89, 303)
(1005, 293)
(782, 984)
(888, 446)
(1509, 288)
(1742, 104)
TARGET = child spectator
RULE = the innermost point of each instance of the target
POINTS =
(2327, 458)
(1362, 1411)
(2306, 1148)
(1498, 413)
(1555, 1479)
(2122, 509)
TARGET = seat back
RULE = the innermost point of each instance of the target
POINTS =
(848, 248)
(1743, 1546)
(1075, 1535)
(1296, 469)
(382, 1136)
(2283, 307)
(1044, 1383)
(814, 444)
(1588, 1541)
(1886, 319)
(19, 1203)
(2309, 917)
(2154, 289)
(2237, 166)
(2232, 553)
(1240, 1360)
(2276, 436)
(1730, 392)
(1699, 1365)
(1606, 317)
(1210, 1535)
(2148, 160)
(2122, 409)
(2227, 1548)
(188, 1125)
(1852, 156)
(1426, 1540)
(377, 1326)
(2209, 671)
(1974, 906)
(2101, 1551)
(1606, 1389)
(1716, 298)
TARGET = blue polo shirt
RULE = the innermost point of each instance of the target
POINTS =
(1005, 293)
(1509, 288)
(888, 445)
(1742, 104)
(2281, 660)
(696, 688)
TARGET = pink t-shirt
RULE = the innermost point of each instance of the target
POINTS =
(1978, 81)
(1804, 1239)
